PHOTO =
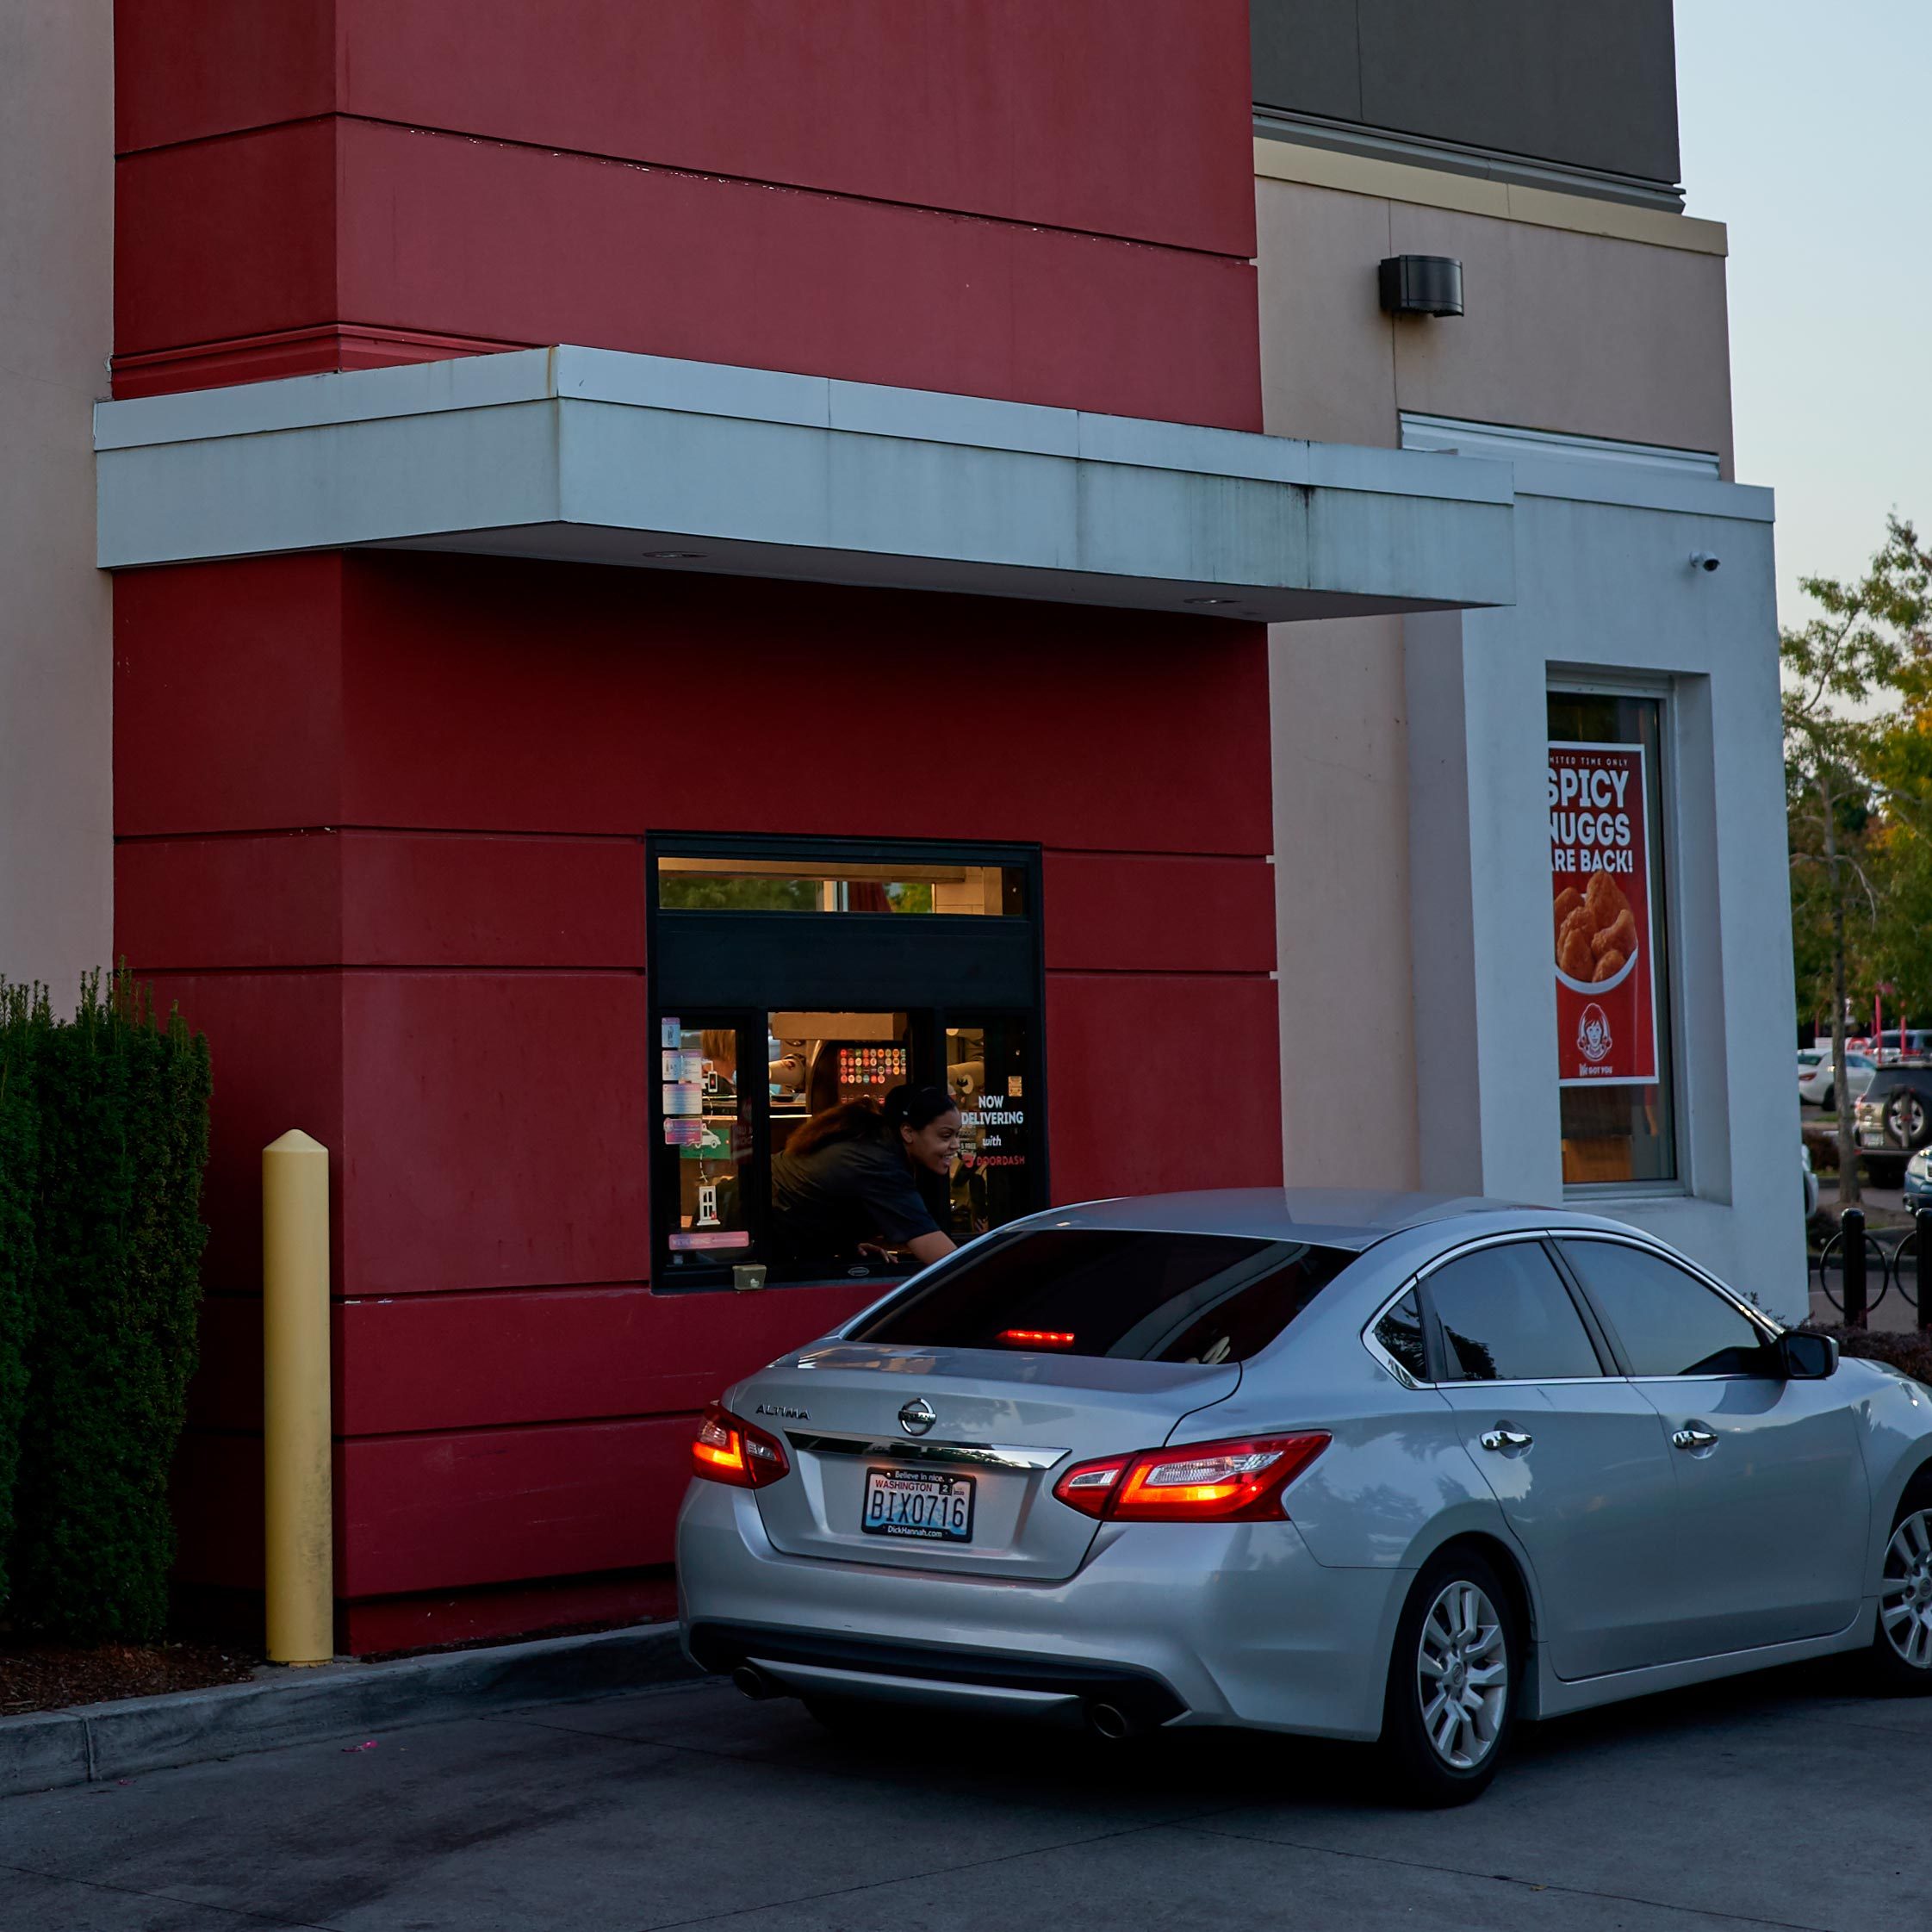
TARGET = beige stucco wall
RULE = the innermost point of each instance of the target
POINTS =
(55, 331)
(1586, 333)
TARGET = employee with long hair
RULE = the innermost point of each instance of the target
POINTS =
(848, 1177)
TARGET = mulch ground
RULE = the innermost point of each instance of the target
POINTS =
(51, 1676)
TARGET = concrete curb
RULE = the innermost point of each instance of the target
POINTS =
(94, 1742)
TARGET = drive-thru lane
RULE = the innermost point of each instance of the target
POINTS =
(1785, 1801)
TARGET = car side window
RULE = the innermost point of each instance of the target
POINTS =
(1668, 1322)
(1400, 1333)
(1507, 1316)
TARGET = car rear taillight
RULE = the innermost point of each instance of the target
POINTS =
(1193, 1482)
(727, 1449)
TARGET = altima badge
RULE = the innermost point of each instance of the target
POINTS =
(917, 1417)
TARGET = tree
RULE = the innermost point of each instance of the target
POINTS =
(1868, 641)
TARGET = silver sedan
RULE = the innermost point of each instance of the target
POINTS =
(1349, 1465)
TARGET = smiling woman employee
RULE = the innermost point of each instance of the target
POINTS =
(848, 1178)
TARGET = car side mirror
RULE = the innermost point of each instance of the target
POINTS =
(1804, 1357)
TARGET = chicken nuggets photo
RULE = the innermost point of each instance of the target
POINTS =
(1567, 900)
(1619, 936)
(1595, 929)
(1605, 898)
(1574, 955)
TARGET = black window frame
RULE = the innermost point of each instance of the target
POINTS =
(940, 969)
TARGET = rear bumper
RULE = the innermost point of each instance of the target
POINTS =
(1232, 1624)
(820, 1662)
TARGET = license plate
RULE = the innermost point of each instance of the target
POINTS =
(912, 1503)
(1871, 1137)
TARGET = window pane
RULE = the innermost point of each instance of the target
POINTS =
(1614, 935)
(1399, 1333)
(754, 884)
(986, 1071)
(1669, 1323)
(1141, 1297)
(710, 1131)
(844, 1197)
(1507, 1316)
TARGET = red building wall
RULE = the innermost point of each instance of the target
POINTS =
(380, 819)
(996, 197)
(380, 826)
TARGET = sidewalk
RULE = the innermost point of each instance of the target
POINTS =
(93, 1743)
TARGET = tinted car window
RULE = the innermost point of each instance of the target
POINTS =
(1399, 1333)
(1151, 1297)
(1669, 1323)
(1507, 1316)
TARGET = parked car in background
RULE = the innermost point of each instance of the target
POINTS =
(1355, 1465)
(1893, 1120)
(1918, 1180)
(1815, 1078)
(1903, 1046)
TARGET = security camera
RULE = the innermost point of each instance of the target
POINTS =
(1703, 560)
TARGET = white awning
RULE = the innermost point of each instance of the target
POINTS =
(596, 456)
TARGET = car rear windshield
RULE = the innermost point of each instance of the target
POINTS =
(1138, 1295)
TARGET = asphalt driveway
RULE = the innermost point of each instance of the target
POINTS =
(1781, 1802)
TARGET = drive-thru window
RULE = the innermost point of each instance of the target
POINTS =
(789, 979)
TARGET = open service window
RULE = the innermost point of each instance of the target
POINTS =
(849, 1047)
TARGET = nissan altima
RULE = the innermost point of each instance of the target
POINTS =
(1349, 1465)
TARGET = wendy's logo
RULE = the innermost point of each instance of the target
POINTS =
(1593, 1034)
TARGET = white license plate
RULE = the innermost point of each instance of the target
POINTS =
(1871, 1137)
(913, 1503)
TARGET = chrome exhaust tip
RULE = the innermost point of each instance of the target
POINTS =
(1110, 1722)
(749, 1679)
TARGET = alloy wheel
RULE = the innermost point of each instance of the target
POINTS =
(1905, 1590)
(1462, 1672)
(1906, 1118)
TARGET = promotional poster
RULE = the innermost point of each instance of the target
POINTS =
(1606, 1020)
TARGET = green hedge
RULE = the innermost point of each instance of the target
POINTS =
(117, 1134)
(20, 1015)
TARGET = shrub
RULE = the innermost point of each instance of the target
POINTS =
(1911, 1353)
(20, 1017)
(122, 1107)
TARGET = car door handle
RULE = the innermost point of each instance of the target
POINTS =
(1503, 1437)
(1693, 1437)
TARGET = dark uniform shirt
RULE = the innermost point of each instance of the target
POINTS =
(825, 1202)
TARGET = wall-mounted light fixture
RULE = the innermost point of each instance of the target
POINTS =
(1421, 285)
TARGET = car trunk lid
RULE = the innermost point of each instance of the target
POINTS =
(920, 1444)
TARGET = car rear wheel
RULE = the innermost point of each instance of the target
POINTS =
(1901, 1645)
(1452, 1681)
(1908, 1118)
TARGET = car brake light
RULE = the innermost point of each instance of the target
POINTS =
(1037, 1338)
(727, 1449)
(1192, 1483)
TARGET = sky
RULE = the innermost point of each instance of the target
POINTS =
(1803, 126)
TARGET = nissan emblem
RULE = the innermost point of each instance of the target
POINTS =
(917, 1417)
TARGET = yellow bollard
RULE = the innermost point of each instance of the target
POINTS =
(297, 1425)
